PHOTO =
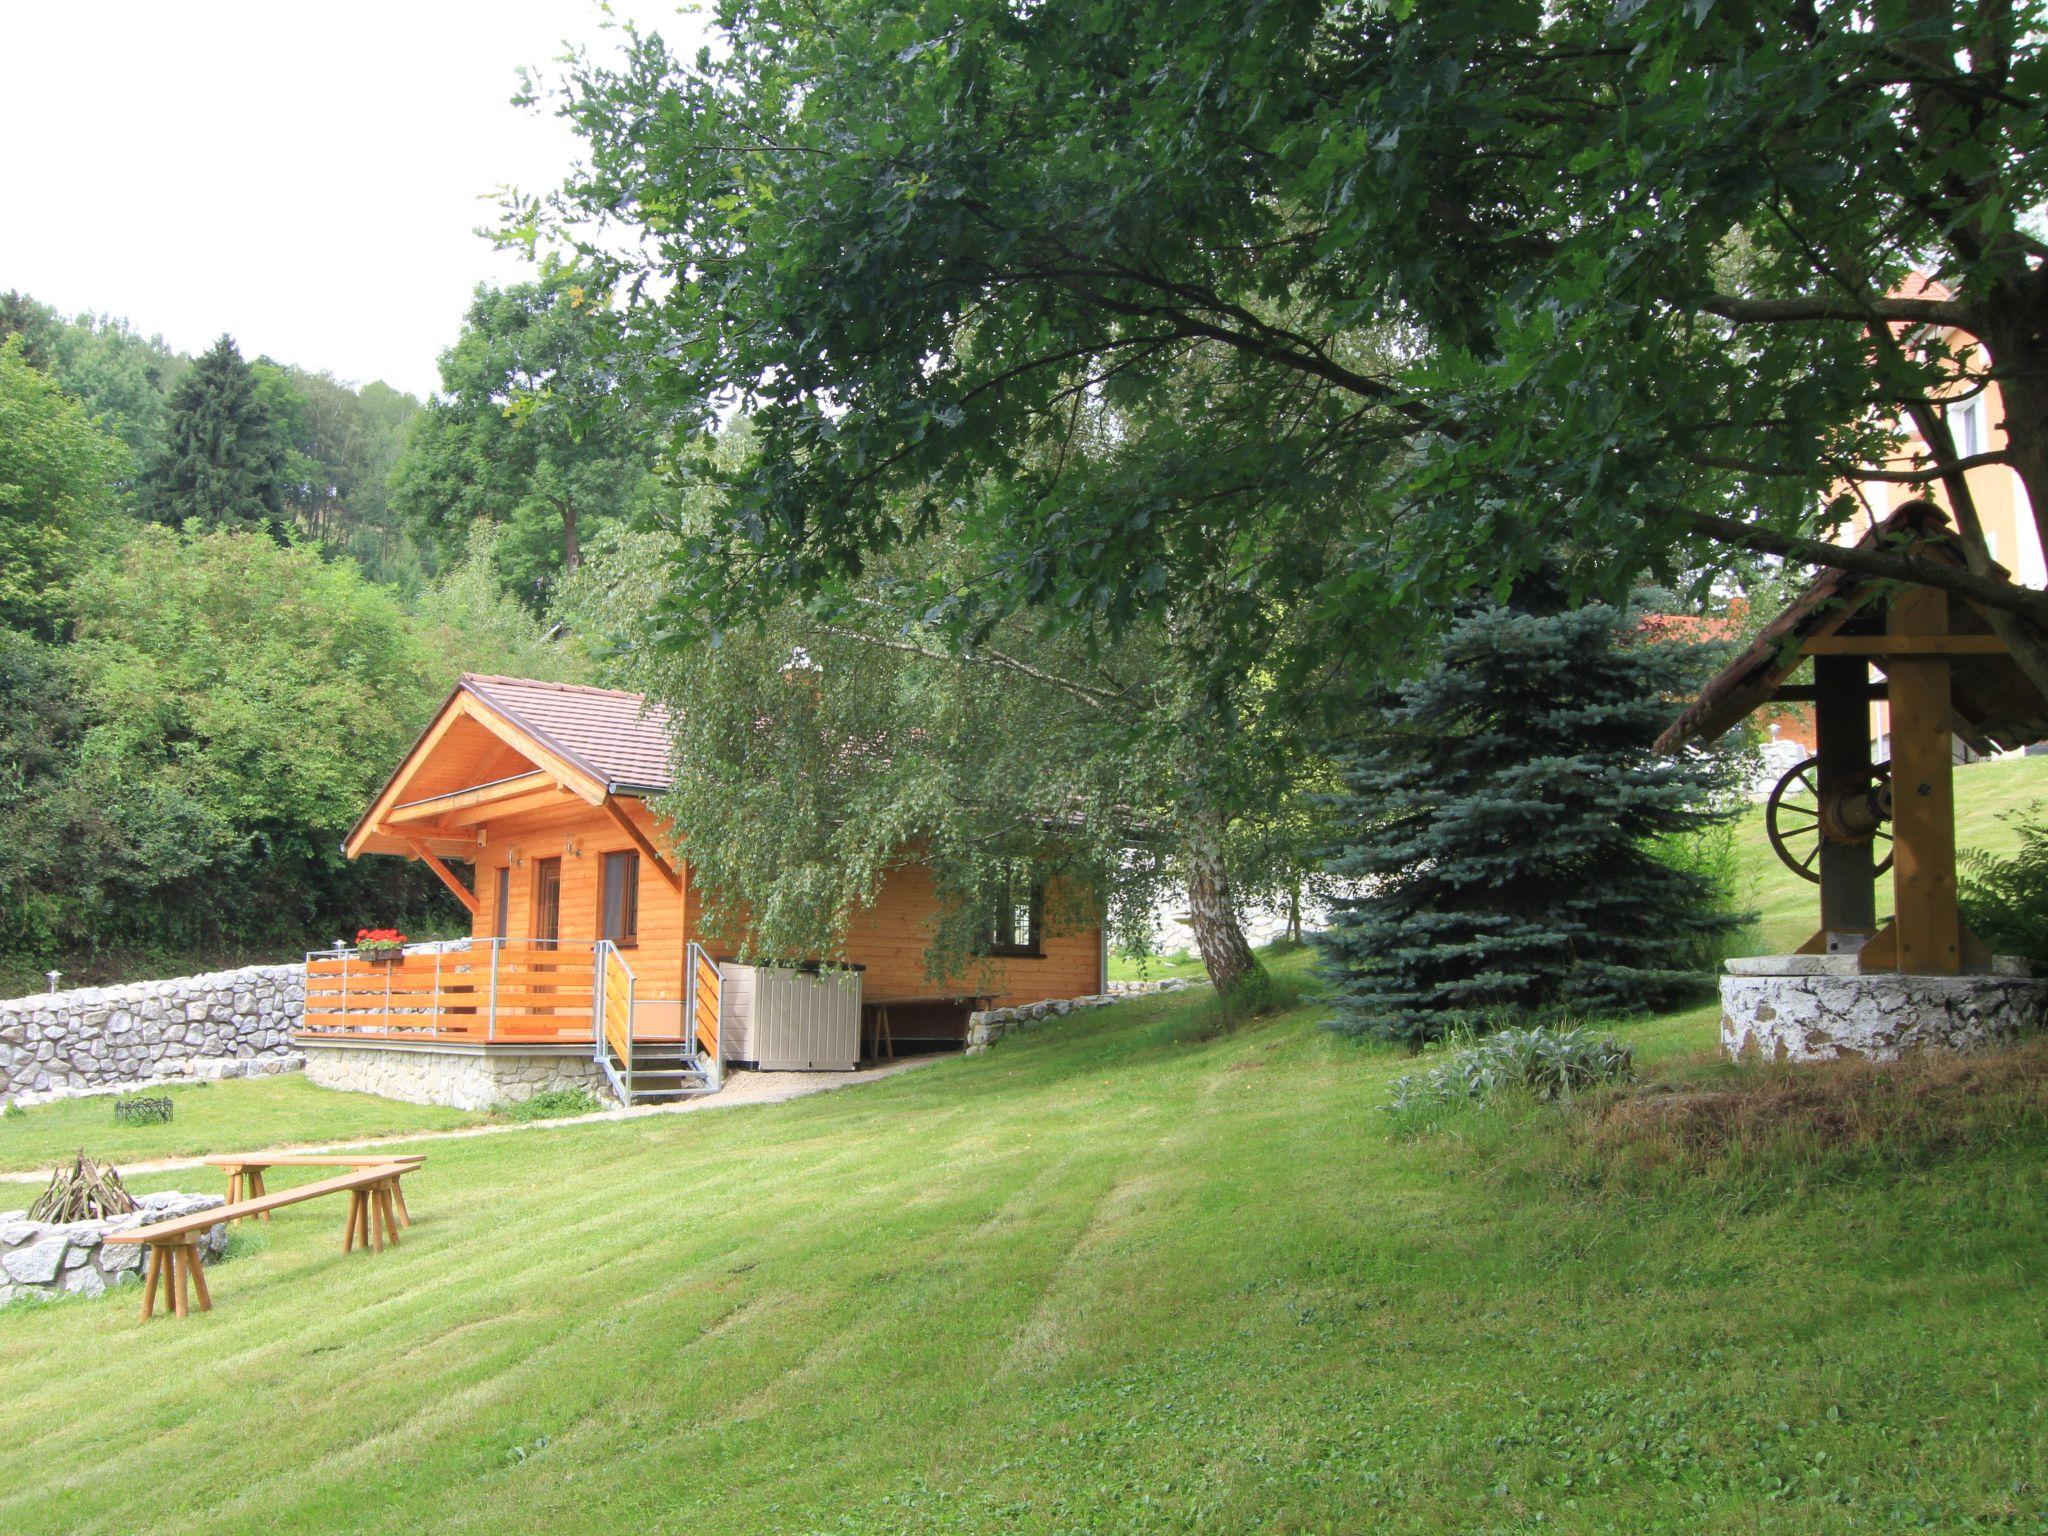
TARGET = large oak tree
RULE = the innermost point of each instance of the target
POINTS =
(1617, 278)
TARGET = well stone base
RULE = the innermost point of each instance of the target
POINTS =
(458, 1076)
(1820, 1007)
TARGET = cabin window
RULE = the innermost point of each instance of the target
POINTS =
(547, 900)
(503, 901)
(622, 898)
(1016, 926)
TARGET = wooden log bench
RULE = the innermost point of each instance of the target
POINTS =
(174, 1245)
(245, 1172)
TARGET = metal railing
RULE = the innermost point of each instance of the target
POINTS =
(701, 1013)
(613, 1038)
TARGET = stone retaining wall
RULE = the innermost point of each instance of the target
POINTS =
(988, 1025)
(1821, 1007)
(44, 1258)
(222, 1024)
(459, 1076)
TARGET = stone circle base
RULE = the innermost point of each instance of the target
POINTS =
(73, 1258)
(1821, 1007)
(458, 1076)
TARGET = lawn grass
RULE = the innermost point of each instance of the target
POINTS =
(235, 1115)
(1181, 962)
(1787, 907)
(1128, 1273)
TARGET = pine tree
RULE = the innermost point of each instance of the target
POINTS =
(1510, 827)
(223, 458)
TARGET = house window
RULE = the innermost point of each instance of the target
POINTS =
(622, 898)
(503, 901)
(1016, 925)
(1965, 425)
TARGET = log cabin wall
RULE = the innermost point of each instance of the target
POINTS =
(580, 836)
(889, 938)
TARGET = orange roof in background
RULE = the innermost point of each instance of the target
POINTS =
(613, 735)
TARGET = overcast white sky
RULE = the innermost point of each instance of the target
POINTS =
(307, 178)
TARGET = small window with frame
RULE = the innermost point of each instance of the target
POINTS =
(621, 891)
(1016, 927)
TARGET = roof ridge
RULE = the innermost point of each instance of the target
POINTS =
(538, 682)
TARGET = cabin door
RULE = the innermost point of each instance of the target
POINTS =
(547, 900)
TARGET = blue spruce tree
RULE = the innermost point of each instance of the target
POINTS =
(1506, 810)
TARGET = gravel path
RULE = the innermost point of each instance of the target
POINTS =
(741, 1087)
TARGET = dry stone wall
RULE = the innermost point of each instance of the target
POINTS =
(222, 1024)
(74, 1258)
(988, 1025)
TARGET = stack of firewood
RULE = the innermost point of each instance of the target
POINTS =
(86, 1191)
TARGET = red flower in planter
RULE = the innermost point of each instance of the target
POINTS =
(379, 941)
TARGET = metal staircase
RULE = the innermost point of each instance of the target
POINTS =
(651, 1071)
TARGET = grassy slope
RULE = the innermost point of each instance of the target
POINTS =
(1787, 905)
(212, 1117)
(1114, 1276)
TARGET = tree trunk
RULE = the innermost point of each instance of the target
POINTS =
(1211, 913)
(1294, 913)
(572, 552)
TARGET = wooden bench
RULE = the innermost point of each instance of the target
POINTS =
(174, 1245)
(245, 1172)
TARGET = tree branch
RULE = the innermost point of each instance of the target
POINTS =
(1885, 564)
(1786, 311)
(1101, 698)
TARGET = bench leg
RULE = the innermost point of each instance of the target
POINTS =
(257, 1191)
(385, 1207)
(153, 1268)
(195, 1266)
(373, 1213)
(398, 1194)
(180, 1300)
(355, 1216)
(234, 1187)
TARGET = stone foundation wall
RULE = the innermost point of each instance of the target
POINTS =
(988, 1025)
(1820, 1007)
(223, 1024)
(461, 1077)
(73, 1258)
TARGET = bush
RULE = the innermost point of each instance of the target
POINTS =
(1545, 1064)
(2005, 899)
(552, 1104)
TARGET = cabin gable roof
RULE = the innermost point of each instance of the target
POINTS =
(503, 742)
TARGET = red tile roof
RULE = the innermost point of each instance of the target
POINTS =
(615, 736)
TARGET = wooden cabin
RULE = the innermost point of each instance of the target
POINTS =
(529, 801)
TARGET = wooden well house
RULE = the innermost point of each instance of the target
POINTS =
(588, 959)
(1848, 818)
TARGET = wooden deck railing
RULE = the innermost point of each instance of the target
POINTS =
(509, 990)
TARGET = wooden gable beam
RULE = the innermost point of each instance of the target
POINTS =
(644, 843)
(435, 807)
(422, 749)
(578, 781)
(462, 892)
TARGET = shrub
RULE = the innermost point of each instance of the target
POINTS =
(2005, 899)
(552, 1104)
(1545, 1064)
